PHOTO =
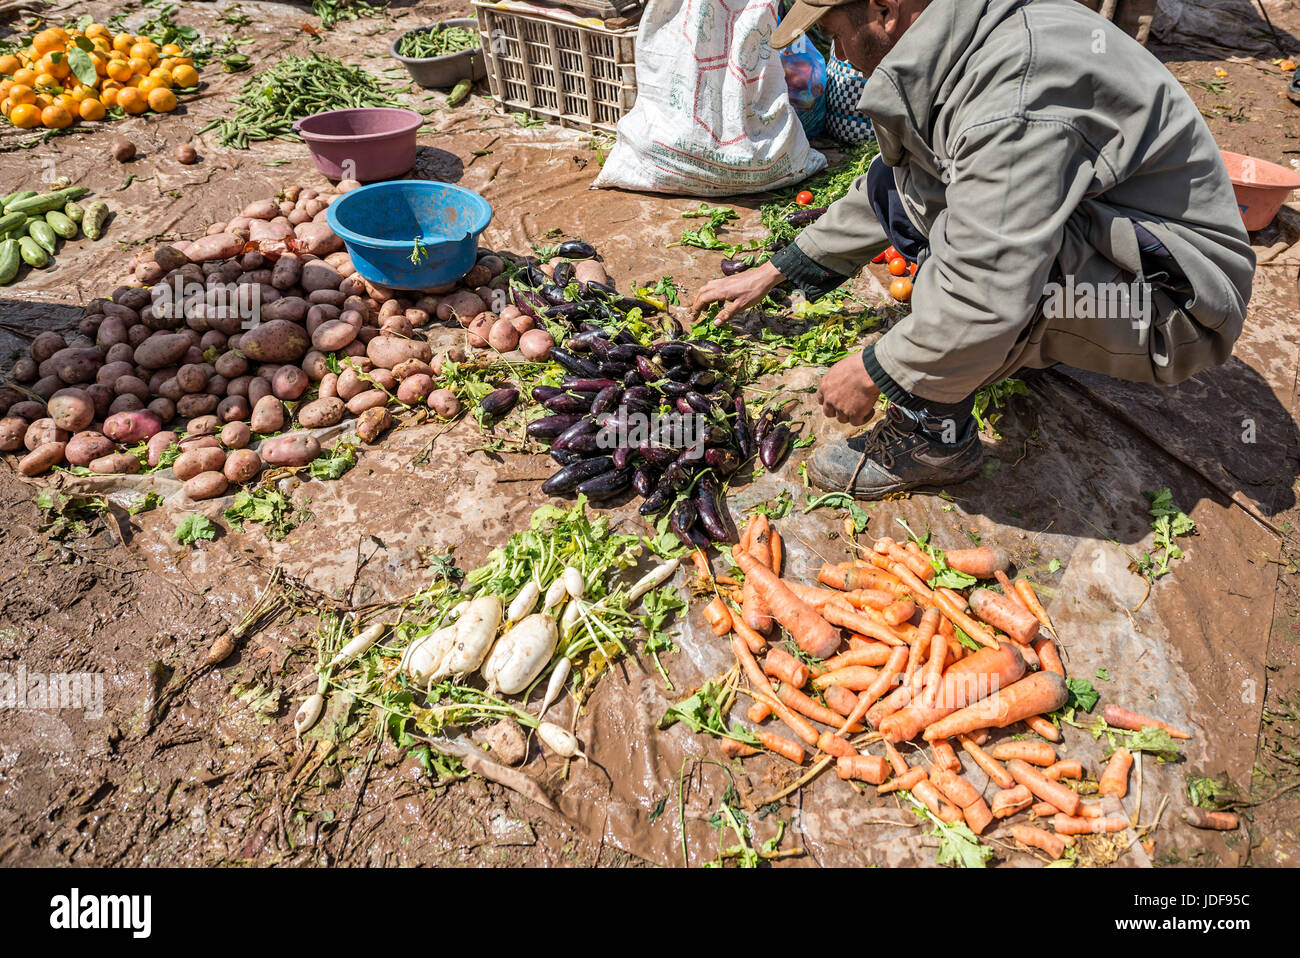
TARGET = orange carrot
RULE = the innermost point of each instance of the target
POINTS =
(930, 797)
(981, 562)
(898, 699)
(965, 681)
(1001, 613)
(1048, 656)
(1217, 821)
(916, 563)
(780, 664)
(898, 612)
(816, 596)
(1047, 809)
(1032, 695)
(938, 656)
(845, 616)
(924, 570)
(717, 616)
(905, 780)
(758, 712)
(753, 609)
(1035, 753)
(811, 708)
(733, 749)
(778, 552)
(1123, 718)
(1025, 589)
(1114, 781)
(1069, 768)
(701, 564)
(1090, 810)
(920, 645)
(842, 700)
(856, 678)
(832, 744)
(944, 755)
(782, 746)
(875, 655)
(800, 726)
(872, 694)
(955, 788)
(1044, 727)
(809, 630)
(1068, 825)
(1008, 589)
(1054, 845)
(978, 816)
(751, 638)
(877, 599)
(994, 769)
(1065, 799)
(953, 607)
(919, 589)
(1031, 657)
(1011, 800)
(862, 768)
(833, 576)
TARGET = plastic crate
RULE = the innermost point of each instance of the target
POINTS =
(557, 67)
(605, 9)
(1132, 16)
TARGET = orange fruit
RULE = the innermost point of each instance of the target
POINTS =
(162, 100)
(108, 95)
(118, 70)
(41, 101)
(98, 30)
(21, 93)
(188, 61)
(55, 117)
(132, 101)
(145, 51)
(148, 83)
(140, 66)
(185, 76)
(901, 289)
(25, 116)
(171, 50)
(123, 42)
(56, 65)
(133, 82)
(164, 77)
(45, 80)
(48, 40)
(26, 76)
(10, 64)
(91, 109)
(101, 63)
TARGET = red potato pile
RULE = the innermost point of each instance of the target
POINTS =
(170, 346)
(902, 675)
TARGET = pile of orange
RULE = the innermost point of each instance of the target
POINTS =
(39, 87)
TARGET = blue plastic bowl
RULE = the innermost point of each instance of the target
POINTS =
(380, 223)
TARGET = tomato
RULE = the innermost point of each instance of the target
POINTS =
(805, 198)
(901, 289)
(898, 266)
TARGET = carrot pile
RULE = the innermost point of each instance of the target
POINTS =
(884, 657)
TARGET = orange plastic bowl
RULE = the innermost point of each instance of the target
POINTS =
(1261, 187)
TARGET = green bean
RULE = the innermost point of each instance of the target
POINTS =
(437, 41)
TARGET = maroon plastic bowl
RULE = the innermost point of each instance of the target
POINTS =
(367, 144)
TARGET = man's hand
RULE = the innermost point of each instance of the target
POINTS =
(847, 392)
(738, 292)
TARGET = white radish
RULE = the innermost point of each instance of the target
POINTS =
(574, 584)
(560, 741)
(652, 580)
(520, 655)
(475, 630)
(556, 594)
(524, 602)
(364, 640)
(426, 654)
(572, 615)
(308, 713)
(556, 684)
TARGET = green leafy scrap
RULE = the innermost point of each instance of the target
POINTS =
(267, 507)
(661, 605)
(990, 400)
(194, 527)
(1168, 524)
(333, 465)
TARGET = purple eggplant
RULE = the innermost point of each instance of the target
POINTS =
(678, 373)
(568, 478)
(704, 379)
(644, 481)
(638, 394)
(530, 304)
(543, 393)
(684, 515)
(705, 355)
(564, 457)
(607, 485)
(607, 399)
(671, 352)
(568, 402)
(586, 384)
(698, 402)
(633, 378)
(573, 364)
(575, 249)
(713, 512)
(626, 353)
(550, 427)
(650, 369)
(658, 456)
(658, 500)
(683, 407)
(567, 311)
(774, 445)
(595, 286)
(722, 460)
(583, 426)
(563, 274)
(730, 267)
(586, 443)
(613, 370)
(804, 217)
(623, 456)
(585, 341)
(743, 432)
(695, 536)
(499, 401)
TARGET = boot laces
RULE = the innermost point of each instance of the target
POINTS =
(877, 443)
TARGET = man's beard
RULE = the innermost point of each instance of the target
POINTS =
(872, 48)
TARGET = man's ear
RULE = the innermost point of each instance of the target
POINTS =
(888, 14)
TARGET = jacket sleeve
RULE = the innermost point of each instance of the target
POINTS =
(1013, 184)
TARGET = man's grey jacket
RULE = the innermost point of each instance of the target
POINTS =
(1026, 135)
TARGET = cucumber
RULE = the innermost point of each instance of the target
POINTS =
(44, 234)
(32, 253)
(9, 259)
(11, 220)
(92, 224)
(74, 212)
(61, 224)
(15, 197)
(44, 202)
(459, 92)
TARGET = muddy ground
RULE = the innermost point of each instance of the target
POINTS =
(221, 777)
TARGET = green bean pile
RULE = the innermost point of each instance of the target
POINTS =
(269, 103)
(437, 41)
